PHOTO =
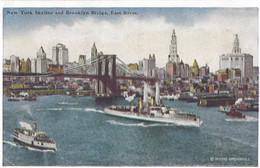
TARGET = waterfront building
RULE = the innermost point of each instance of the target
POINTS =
(148, 66)
(171, 69)
(53, 68)
(82, 60)
(133, 66)
(211, 89)
(33, 65)
(255, 73)
(236, 59)
(94, 53)
(81, 63)
(49, 61)
(60, 54)
(161, 73)
(41, 54)
(186, 70)
(39, 64)
(194, 69)
(25, 66)
(22, 66)
(234, 74)
(6, 65)
(15, 64)
(222, 75)
(72, 68)
(204, 71)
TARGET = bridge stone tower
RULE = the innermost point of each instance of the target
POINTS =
(105, 84)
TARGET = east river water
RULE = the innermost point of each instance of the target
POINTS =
(85, 136)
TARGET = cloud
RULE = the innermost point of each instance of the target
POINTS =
(132, 38)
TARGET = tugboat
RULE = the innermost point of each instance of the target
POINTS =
(154, 112)
(234, 113)
(34, 139)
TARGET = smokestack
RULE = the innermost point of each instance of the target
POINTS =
(35, 127)
(157, 94)
(145, 99)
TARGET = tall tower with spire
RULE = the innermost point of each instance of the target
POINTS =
(93, 53)
(236, 49)
(173, 48)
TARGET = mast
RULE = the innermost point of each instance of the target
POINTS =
(157, 94)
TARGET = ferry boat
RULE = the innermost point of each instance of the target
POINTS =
(154, 112)
(34, 139)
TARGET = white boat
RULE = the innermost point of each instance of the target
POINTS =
(22, 96)
(154, 112)
(33, 139)
(168, 97)
(223, 109)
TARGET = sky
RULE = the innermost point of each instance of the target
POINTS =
(202, 33)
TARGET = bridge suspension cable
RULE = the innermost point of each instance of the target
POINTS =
(127, 69)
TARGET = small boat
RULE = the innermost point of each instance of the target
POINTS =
(234, 113)
(33, 138)
(22, 96)
(223, 109)
(168, 97)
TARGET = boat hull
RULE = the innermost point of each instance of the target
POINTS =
(33, 146)
(167, 118)
(30, 139)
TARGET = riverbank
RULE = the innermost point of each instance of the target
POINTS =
(50, 92)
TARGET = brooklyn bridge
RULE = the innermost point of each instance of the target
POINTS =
(103, 70)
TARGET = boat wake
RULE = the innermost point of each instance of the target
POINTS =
(94, 110)
(246, 119)
(50, 109)
(142, 124)
(32, 149)
(38, 150)
(11, 143)
(78, 109)
(67, 103)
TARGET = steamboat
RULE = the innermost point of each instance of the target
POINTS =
(34, 139)
(155, 111)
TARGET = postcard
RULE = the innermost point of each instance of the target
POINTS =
(130, 86)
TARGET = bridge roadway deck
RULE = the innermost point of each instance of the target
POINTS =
(8, 74)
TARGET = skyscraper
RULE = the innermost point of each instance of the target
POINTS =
(93, 53)
(148, 66)
(15, 63)
(237, 60)
(39, 64)
(173, 49)
(60, 54)
(41, 54)
(172, 67)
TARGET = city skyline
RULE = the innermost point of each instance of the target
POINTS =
(202, 34)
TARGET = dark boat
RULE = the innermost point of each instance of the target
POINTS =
(234, 114)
